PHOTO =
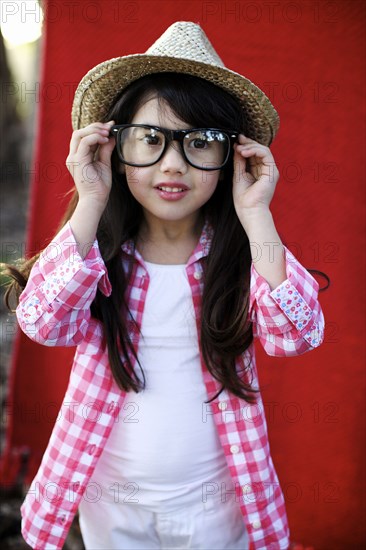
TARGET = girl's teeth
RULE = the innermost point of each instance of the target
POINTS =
(171, 189)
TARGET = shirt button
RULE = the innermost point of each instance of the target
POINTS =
(62, 519)
(234, 449)
(256, 524)
(91, 449)
(111, 406)
(246, 489)
(197, 275)
(222, 405)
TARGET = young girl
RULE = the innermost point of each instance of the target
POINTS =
(167, 265)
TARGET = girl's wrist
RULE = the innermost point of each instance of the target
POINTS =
(94, 207)
(84, 224)
(257, 218)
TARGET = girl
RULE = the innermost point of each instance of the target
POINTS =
(167, 265)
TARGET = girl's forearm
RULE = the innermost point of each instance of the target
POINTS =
(266, 246)
(84, 224)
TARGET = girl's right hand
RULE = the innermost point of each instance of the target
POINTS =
(89, 162)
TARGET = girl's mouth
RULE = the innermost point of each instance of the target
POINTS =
(172, 192)
(171, 189)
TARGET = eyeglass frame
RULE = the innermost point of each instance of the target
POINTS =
(172, 135)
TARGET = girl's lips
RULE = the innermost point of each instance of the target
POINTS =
(172, 191)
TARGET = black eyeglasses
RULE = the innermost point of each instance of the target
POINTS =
(144, 145)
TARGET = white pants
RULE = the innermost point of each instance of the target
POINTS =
(210, 525)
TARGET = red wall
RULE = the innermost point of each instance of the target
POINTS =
(308, 57)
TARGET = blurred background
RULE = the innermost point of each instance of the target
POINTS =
(19, 57)
(20, 47)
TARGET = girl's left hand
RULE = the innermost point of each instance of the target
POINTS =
(255, 177)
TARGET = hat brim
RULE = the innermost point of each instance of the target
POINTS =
(98, 89)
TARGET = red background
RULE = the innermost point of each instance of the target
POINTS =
(308, 57)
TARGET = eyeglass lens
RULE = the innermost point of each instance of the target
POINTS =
(203, 148)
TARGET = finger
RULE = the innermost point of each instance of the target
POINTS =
(105, 151)
(89, 145)
(240, 162)
(85, 154)
(242, 173)
(259, 158)
(255, 148)
(256, 156)
(97, 127)
(249, 159)
(237, 154)
(82, 134)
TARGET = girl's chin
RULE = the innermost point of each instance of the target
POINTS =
(164, 216)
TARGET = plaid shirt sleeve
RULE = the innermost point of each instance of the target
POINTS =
(54, 308)
(287, 320)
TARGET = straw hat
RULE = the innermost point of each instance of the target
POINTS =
(183, 48)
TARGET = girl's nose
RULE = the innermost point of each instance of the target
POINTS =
(173, 160)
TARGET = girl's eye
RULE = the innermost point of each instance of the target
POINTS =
(199, 143)
(151, 140)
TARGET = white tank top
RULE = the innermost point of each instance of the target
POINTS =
(165, 445)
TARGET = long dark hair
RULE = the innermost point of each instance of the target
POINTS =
(226, 332)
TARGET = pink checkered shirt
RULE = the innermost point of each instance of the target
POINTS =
(54, 310)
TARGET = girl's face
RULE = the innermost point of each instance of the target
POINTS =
(170, 190)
